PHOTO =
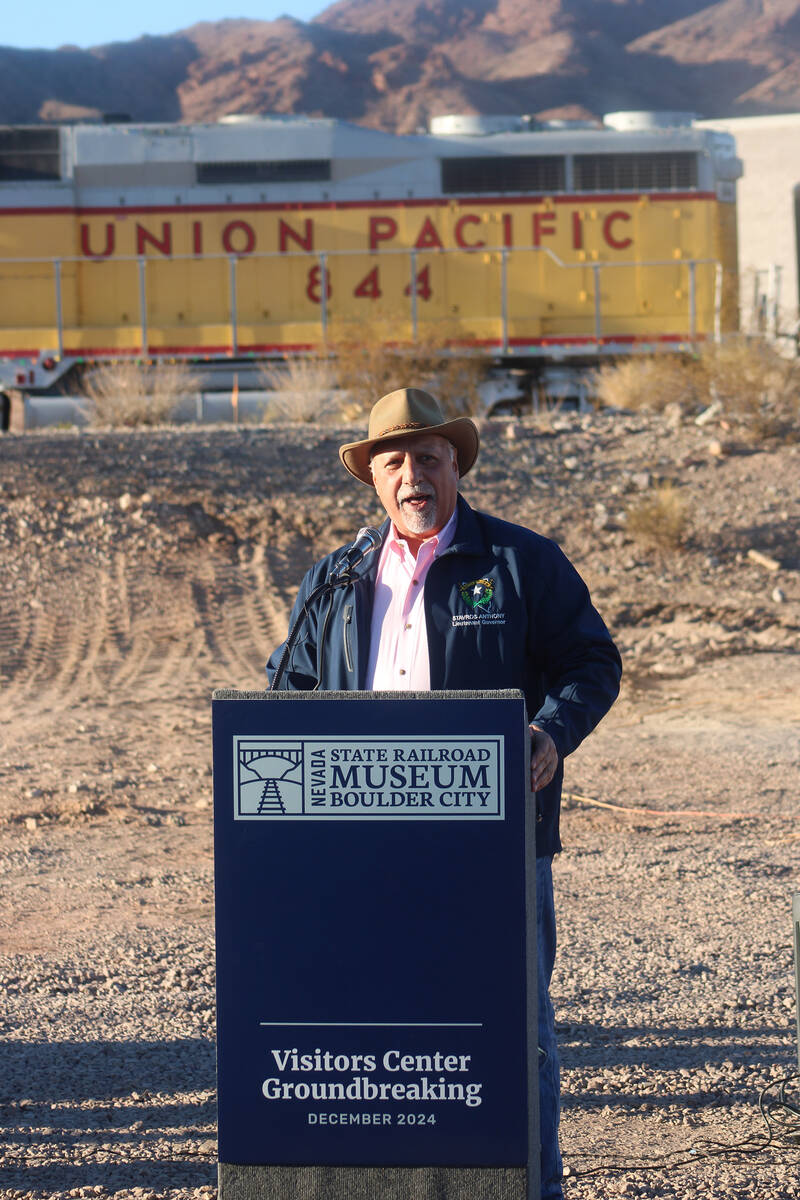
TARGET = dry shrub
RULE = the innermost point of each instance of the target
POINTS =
(369, 362)
(659, 518)
(305, 391)
(127, 394)
(755, 387)
(650, 383)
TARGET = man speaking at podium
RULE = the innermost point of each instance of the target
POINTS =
(457, 599)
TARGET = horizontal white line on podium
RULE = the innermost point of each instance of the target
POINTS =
(375, 1024)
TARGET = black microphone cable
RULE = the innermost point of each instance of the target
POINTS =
(367, 541)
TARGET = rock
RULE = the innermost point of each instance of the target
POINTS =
(708, 414)
(778, 595)
(763, 560)
(673, 415)
(601, 517)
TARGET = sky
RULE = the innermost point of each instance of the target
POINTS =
(87, 23)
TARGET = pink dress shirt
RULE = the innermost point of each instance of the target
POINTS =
(398, 648)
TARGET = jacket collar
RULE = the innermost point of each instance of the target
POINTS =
(468, 538)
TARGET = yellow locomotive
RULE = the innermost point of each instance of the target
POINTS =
(260, 237)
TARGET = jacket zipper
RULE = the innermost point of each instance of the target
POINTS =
(347, 617)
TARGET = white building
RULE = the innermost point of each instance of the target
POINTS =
(767, 218)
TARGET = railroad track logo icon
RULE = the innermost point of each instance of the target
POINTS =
(269, 778)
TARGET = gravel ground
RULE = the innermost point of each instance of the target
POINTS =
(142, 569)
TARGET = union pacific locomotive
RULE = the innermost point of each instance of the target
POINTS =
(266, 236)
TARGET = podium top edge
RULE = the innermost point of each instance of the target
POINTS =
(485, 694)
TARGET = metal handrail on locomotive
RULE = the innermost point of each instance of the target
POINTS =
(270, 236)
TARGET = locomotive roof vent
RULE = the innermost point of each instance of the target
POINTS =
(628, 122)
(560, 124)
(473, 125)
(244, 118)
(274, 118)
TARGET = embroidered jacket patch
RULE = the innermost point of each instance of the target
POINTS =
(477, 593)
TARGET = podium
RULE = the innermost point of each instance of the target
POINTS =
(376, 946)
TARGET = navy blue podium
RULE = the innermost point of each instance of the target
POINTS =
(376, 965)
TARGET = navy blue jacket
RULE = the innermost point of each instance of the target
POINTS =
(504, 609)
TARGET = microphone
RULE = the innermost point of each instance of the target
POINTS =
(367, 540)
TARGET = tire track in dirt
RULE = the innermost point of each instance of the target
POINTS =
(250, 621)
(269, 598)
(162, 636)
(28, 662)
(127, 631)
(72, 644)
(75, 640)
(14, 633)
(36, 655)
(134, 664)
(78, 677)
(227, 626)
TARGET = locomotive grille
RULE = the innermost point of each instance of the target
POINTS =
(295, 170)
(29, 154)
(659, 172)
(504, 173)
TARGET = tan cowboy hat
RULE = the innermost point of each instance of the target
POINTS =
(404, 412)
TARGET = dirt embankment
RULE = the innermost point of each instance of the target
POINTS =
(142, 569)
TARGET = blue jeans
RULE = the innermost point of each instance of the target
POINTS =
(549, 1075)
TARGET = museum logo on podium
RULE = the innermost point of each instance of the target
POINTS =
(375, 778)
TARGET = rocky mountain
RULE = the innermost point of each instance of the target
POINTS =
(395, 63)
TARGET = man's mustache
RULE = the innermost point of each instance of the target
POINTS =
(416, 494)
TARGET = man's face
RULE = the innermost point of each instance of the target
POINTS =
(416, 479)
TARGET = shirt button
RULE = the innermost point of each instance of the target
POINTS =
(408, 626)
(401, 671)
(415, 582)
